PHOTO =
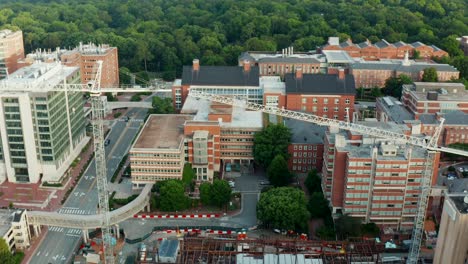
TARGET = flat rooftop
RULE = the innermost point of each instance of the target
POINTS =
(272, 84)
(459, 202)
(240, 117)
(162, 132)
(39, 76)
(7, 216)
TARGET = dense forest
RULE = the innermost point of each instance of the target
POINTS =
(163, 35)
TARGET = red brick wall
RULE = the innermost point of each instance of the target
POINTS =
(313, 159)
(295, 102)
(339, 172)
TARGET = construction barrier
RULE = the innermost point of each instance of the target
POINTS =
(177, 216)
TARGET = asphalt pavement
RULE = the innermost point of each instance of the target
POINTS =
(60, 243)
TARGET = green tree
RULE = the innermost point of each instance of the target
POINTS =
(394, 85)
(111, 97)
(313, 183)
(205, 193)
(278, 172)
(430, 75)
(346, 227)
(162, 106)
(270, 142)
(318, 205)
(5, 254)
(283, 208)
(220, 193)
(370, 229)
(325, 233)
(172, 196)
(416, 54)
(188, 175)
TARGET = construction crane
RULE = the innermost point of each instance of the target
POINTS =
(428, 143)
(93, 87)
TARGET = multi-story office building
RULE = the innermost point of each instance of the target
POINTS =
(374, 179)
(158, 153)
(85, 57)
(434, 97)
(375, 73)
(205, 134)
(41, 130)
(452, 245)
(11, 50)
(326, 95)
(223, 80)
(383, 49)
(14, 229)
(306, 148)
(278, 64)
(455, 129)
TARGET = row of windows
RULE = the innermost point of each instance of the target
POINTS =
(237, 147)
(388, 213)
(136, 162)
(152, 178)
(244, 154)
(237, 139)
(305, 154)
(301, 168)
(351, 179)
(309, 147)
(325, 100)
(232, 132)
(174, 156)
(155, 170)
(387, 198)
(357, 195)
(390, 182)
(379, 205)
(305, 161)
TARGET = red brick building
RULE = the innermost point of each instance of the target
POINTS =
(373, 179)
(224, 80)
(278, 64)
(326, 95)
(207, 135)
(383, 49)
(374, 74)
(11, 50)
(85, 57)
(306, 148)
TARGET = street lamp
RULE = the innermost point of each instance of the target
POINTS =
(351, 248)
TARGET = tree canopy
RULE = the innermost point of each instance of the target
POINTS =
(278, 172)
(162, 106)
(283, 208)
(163, 35)
(217, 194)
(313, 183)
(172, 196)
(273, 140)
(394, 85)
(430, 75)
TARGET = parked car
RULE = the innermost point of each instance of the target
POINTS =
(461, 169)
(107, 142)
(232, 184)
(277, 231)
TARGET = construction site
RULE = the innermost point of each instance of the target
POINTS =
(230, 250)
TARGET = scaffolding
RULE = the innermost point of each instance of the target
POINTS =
(230, 250)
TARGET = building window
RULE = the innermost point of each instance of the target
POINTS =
(303, 108)
(315, 100)
(325, 109)
(335, 116)
(347, 101)
(295, 147)
(325, 100)
(336, 109)
(304, 100)
(337, 101)
(314, 109)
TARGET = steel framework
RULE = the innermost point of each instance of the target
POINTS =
(230, 250)
(428, 143)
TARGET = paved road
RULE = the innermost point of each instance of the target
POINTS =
(248, 184)
(59, 243)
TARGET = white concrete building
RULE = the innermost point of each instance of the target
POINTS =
(41, 131)
(14, 228)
